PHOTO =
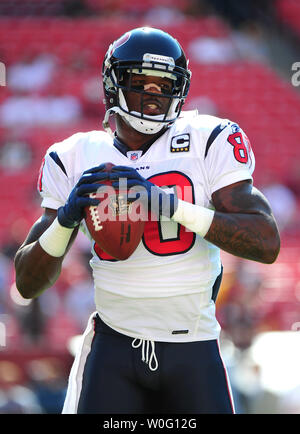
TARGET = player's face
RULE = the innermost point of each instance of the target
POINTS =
(150, 105)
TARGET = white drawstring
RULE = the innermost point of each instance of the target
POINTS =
(146, 358)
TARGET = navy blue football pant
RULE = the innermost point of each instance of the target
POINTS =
(190, 377)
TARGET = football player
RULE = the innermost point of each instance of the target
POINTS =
(152, 344)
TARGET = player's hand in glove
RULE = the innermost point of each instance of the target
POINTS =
(71, 214)
(153, 197)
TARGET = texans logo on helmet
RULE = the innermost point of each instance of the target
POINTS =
(118, 43)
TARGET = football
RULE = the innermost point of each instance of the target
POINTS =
(116, 224)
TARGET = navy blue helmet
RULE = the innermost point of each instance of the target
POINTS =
(146, 51)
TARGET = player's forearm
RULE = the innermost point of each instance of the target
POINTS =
(249, 236)
(38, 264)
(36, 270)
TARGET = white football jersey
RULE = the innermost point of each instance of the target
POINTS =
(163, 291)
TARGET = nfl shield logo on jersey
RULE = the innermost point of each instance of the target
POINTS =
(134, 155)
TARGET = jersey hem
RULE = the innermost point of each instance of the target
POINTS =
(200, 338)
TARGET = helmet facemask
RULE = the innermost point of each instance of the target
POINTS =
(159, 66)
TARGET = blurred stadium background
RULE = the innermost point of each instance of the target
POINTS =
(242, 56)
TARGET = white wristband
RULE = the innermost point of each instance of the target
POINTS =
(196, 218)
(55, 239)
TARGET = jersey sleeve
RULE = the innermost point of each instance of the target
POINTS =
(228, 157)
(53, 183)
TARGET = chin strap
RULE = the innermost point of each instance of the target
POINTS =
(144, 126)
(105, 122)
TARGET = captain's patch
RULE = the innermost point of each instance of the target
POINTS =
(180, 143)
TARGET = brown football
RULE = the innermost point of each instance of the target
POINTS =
(116, 225)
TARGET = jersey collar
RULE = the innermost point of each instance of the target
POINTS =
(125, 150)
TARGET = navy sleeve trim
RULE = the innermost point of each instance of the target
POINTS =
(213, 135)
(58, 161)
(217, 284)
